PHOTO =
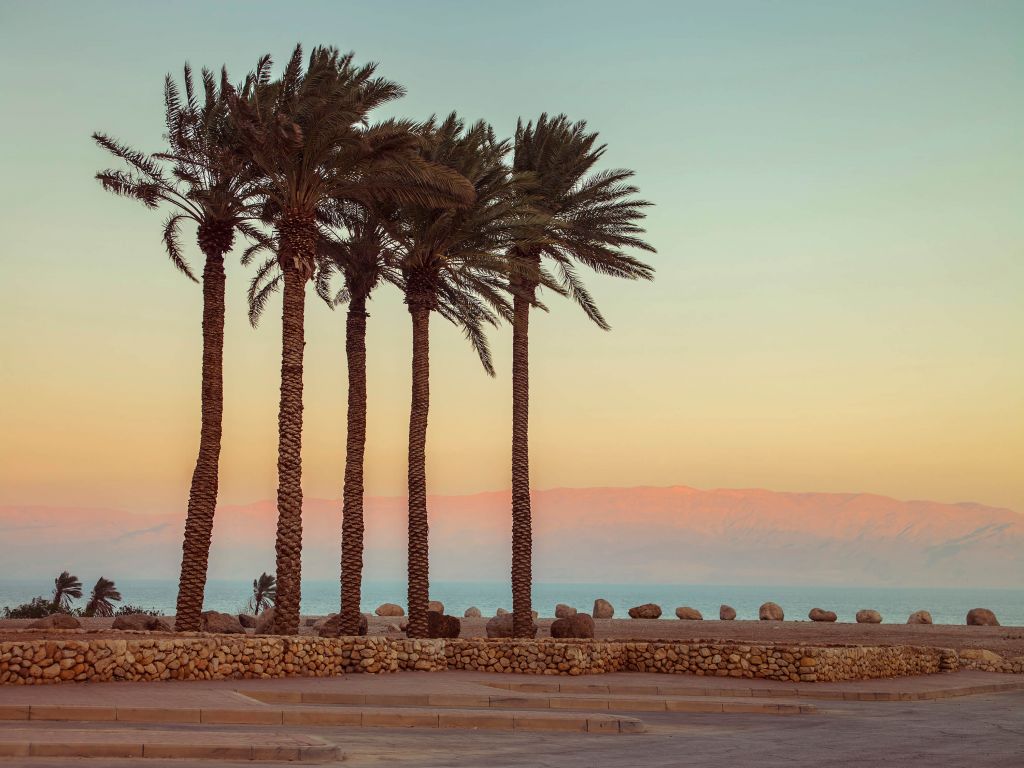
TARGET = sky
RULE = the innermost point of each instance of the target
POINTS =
(838, 194)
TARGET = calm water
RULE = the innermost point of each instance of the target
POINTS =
(947, 606)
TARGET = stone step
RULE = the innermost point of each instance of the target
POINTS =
(584, 702)
(801, 691)
(337, 715)
(155, 744)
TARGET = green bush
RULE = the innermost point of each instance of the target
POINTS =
(38, 608)
(129, 610)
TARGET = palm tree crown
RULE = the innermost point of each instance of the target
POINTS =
(583, 215)
(66, 588)
(264, 593)
(104, 593)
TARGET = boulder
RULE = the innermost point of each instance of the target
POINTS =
(771, 612)
(603, 609)
(686, 613)
(435, 605)
(981, 617)
(390, 609)
(247, 620)
(472, 613)
(223, 623)
(820, 614)
(868, 616)
(920, 617)
(501, 626)
(726, 613)
(441, 625)
(140, 622)
(645, 611)
(331, 626)
(501, 612)
(579, 625)
(563, 611)
(265, 623)
(56, 621)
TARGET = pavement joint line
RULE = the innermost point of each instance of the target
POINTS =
(384, 716)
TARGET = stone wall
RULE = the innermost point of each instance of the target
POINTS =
(142, 656)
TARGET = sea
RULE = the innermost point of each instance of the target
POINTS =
(947, 606)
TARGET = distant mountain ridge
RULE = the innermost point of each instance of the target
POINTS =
(645, 535)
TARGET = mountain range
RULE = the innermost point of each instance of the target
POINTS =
(607, 535)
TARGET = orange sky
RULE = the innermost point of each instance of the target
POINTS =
(837, 304)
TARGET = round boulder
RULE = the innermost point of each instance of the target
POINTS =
(247, 620)
(645, 611)
(726, 613)
(501, 612)
(868, 616)
(390, 609)
(578, 625)
(265, 623)
(501, 626)
(603, 609)
(222, 623)
(688, 614)
(563, 611)
(820, 614)
(440, 625)
(981, 617)
(435, 605)
(472, 613)
(56, 621)
(920, 617)
(771, 612)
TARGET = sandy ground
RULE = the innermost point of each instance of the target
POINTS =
(1007, 641)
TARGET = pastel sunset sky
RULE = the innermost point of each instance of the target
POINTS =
(839, 220)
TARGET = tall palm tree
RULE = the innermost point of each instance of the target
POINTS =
(264, 593)
(66, 588)
(306, 133)
(365, 259)
(103, 594)
(209, 184)
(583, 216)
(452, 263)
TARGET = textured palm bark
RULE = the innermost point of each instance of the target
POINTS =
(522, 523)
(289, 459)
(202, 497)
(352, 504)
(419, 565)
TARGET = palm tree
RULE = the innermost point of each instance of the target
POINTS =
(209, 184)
(307, 135)
(103, 594)
(583, 216)
(264, 593)
(66, 588)
(451, 262)
(365, 259)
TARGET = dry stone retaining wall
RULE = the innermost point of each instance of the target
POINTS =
(145, 657)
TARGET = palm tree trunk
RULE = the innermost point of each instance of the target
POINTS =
(522, 524)
(419, 564)
(202, 496)
(289, 457)
(352, 506)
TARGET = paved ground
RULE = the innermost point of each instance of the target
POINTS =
(969, 730)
